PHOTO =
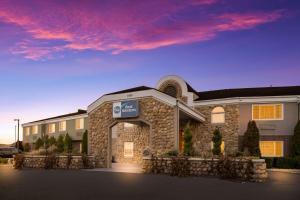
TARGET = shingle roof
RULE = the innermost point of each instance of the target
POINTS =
(135, 89)
(249, 92)
(79, 112)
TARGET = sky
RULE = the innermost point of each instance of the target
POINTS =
(58, 56)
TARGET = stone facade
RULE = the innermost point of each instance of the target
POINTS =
(159, 116)
(255, 168)
(138, 134)
(203, 132)
(31, 161)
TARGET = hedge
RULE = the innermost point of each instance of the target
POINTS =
(283, 163)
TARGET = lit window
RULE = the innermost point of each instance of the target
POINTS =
(27, 131)
(62, 126)
(128, 149)
(271, 148)
(128, 125)
(34, 129)
(79, 123)
(171, 90)
(267, 112)
(51, 128)
(218, 115)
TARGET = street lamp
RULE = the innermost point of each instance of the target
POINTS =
(18, 120)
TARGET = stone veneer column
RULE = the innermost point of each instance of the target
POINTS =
(203, 132)
(158, 115)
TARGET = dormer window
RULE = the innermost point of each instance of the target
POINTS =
(171, 90)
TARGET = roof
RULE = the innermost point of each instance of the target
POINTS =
(249, 92)
(134, 89)
(190, 88)
(79, 112)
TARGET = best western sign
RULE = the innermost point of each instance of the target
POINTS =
(126, 109)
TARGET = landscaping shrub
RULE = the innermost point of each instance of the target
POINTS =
(3, 160)
(19, 159)
(38, 144)
(60, 144)
(68, 144)
(26, 147)
(296, 140)
(50, 161)
(46, 142)
(188, 148)
(172, 153)
(85, 142)
(85, 161)
(217, 141)
(269, 162)
(251, 139)
(283, 163)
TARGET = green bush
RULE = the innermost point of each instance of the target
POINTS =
(3, 160)
(296, 140)
(68, 144)
(283, 163)
(60, 144)
(217, 141)
(172, 153)
(38, 144)
(85, 142)
(251, 139)
(188, 146)
(26, 147)
(52, 141)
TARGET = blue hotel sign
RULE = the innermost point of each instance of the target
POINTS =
(126, 109)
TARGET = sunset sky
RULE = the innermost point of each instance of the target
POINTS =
(57, 56)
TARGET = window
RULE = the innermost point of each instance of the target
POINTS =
(27, 131)
(62, 126)
(271, 148)
(171, 90)
(267, 112)
(128, 149)
(79, 123)
(34, 129)
(218, 115)
(51, 128)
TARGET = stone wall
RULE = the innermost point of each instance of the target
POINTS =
(38, 161)
(255, 169)
(203, 132)
(159, 116)
(139, 134)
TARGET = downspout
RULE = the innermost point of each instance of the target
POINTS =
(177, 125)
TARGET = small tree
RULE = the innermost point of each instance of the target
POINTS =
(217, 141)
(251, 139)
(84, 142)
(46, 142)
(38, 144)
(296, 140)
(68, 143)
(26, 147)
(52, 142)
(188, 141)
(60, 144)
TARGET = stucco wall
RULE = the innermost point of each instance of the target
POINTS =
(272, 127)
(159, 116)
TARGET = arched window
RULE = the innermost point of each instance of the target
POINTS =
(218, 115)
(171, 90)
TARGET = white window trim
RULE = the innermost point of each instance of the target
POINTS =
(49, 128)
(273, 104)
(81, 128)
(211, 117)
(65, 126)
(274, 143)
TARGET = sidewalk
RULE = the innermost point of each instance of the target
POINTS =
(292, 171)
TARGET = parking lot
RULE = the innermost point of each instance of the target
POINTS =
(68, 184)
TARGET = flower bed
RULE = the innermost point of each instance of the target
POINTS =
(229, 168)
